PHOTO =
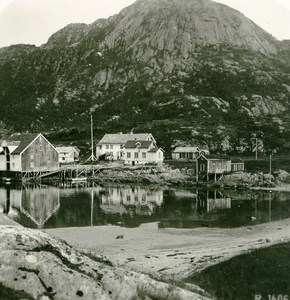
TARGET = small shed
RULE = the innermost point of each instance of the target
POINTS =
(185, 153)
(213, 166)
(237, 165)
(188, 152)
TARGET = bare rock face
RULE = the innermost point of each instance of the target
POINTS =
(41, 267)
(178, 26)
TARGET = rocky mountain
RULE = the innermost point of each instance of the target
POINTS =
(186, 70)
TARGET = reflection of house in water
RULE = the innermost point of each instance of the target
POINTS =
(40, 204)
(37, 203)
(143, 200)
(212, 200)
(10, 201)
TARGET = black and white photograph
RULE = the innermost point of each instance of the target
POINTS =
(145, 149)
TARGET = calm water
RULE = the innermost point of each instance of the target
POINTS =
(78, 205)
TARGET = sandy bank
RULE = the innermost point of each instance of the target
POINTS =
(169, 252)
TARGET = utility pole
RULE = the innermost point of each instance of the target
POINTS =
(256, 148)
(196, 169)
(270, 167)
(92, 157)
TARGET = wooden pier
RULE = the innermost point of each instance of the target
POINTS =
(74, 171)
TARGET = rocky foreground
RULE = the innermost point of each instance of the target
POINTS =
(41, 267)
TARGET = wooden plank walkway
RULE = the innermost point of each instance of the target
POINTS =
(74, 171)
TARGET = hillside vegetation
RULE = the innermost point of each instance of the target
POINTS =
(187, 71)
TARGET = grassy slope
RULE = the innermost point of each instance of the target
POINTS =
(262, 272)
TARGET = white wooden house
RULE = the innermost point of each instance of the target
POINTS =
(27, 154)
(111, 146)
(142, 152)
(68, 154)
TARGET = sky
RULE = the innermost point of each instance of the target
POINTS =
(34, 21)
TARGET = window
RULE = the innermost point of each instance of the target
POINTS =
(128, 154)
(202, 167)
(136, 155)
(100, 147)
(128, 198)
(143, 155)
(107, 146)
(136, 198)
(31, 156)
(111, 146)
(31, 164)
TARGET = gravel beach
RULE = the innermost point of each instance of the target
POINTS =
(168, 253)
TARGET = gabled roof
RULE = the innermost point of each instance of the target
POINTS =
(237, 160)
(24, 139)
(214, 157)
(186, 149)
(67, 148)
(137, 143)
(122, 138)
(7, 143)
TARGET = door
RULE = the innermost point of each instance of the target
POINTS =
(7, 152)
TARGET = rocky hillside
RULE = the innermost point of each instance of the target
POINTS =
(187, 71)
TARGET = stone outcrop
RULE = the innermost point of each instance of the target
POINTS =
(177, 26)
(37, 266)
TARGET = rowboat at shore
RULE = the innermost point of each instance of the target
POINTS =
(78, 179)
(6, 179)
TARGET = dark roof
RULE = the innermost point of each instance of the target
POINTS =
(186, 149)
(215, 156)
(24, 139)
(134, 144)
(237, 160)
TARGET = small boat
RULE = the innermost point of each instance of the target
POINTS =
(78, 179)
(6, 179)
